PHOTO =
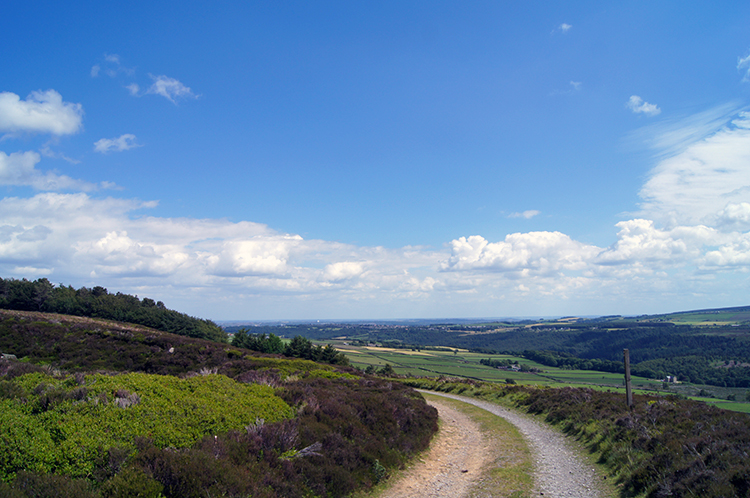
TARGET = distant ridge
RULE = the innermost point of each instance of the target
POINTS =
(735, 309)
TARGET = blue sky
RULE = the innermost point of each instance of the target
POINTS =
(365, 160)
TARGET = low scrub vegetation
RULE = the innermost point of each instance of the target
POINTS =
(78, 344)
(662, 447)
(62, 424)
(86, 415)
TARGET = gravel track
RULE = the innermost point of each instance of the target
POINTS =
(447, 469)
(559, 469)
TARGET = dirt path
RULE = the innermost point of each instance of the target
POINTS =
(449, 468)
(460, 451)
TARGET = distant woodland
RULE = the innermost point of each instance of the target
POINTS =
(298, 347)
(712, 355)
(41, 295)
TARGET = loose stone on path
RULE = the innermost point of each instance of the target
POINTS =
(449, 468)
(560, 472)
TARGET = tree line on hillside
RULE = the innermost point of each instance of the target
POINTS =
(702, 355)
(695, 369)
(41, 295)
(567, 361)
(698, 370)
(299, 347)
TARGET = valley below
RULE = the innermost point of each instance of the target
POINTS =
(93, 407)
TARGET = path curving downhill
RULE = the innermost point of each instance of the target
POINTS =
(559, 469)
(447, 469)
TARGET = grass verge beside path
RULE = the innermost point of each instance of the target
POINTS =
(589, 478)
(509, 471)
(509, 474)
(661, 446)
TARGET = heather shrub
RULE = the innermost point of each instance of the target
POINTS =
(663, 446)
(132, 483)
(109, 462)
(12, 369)
(76, 345)
(358, 423)
(277, 427)
(347, 434)
(8, 491)
(34, 485)
(192, 473)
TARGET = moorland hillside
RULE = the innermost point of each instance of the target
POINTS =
(97, 302)
(97, 408)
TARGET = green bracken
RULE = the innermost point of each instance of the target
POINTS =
(61, 425)
(101, 409)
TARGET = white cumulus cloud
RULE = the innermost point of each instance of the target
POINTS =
(532, 252)
(245, 269)
(119, 144)
(19, 169)
(343, 270)
(267, 255)
(730, 256)
(640, 242)
(75, 237)
(735, 216)
(116, 254)
(41, 112)
(638, 106)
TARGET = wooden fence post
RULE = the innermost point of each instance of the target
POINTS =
(628, 388)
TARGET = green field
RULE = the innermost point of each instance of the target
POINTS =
(458, 363)
(436, 362)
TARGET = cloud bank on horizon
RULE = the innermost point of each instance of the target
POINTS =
(685, 241)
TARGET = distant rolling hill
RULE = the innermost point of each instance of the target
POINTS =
(724, 316)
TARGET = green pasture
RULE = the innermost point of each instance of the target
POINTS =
(731, 405)
(735, 406)
(429, 363)
(461, 363)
